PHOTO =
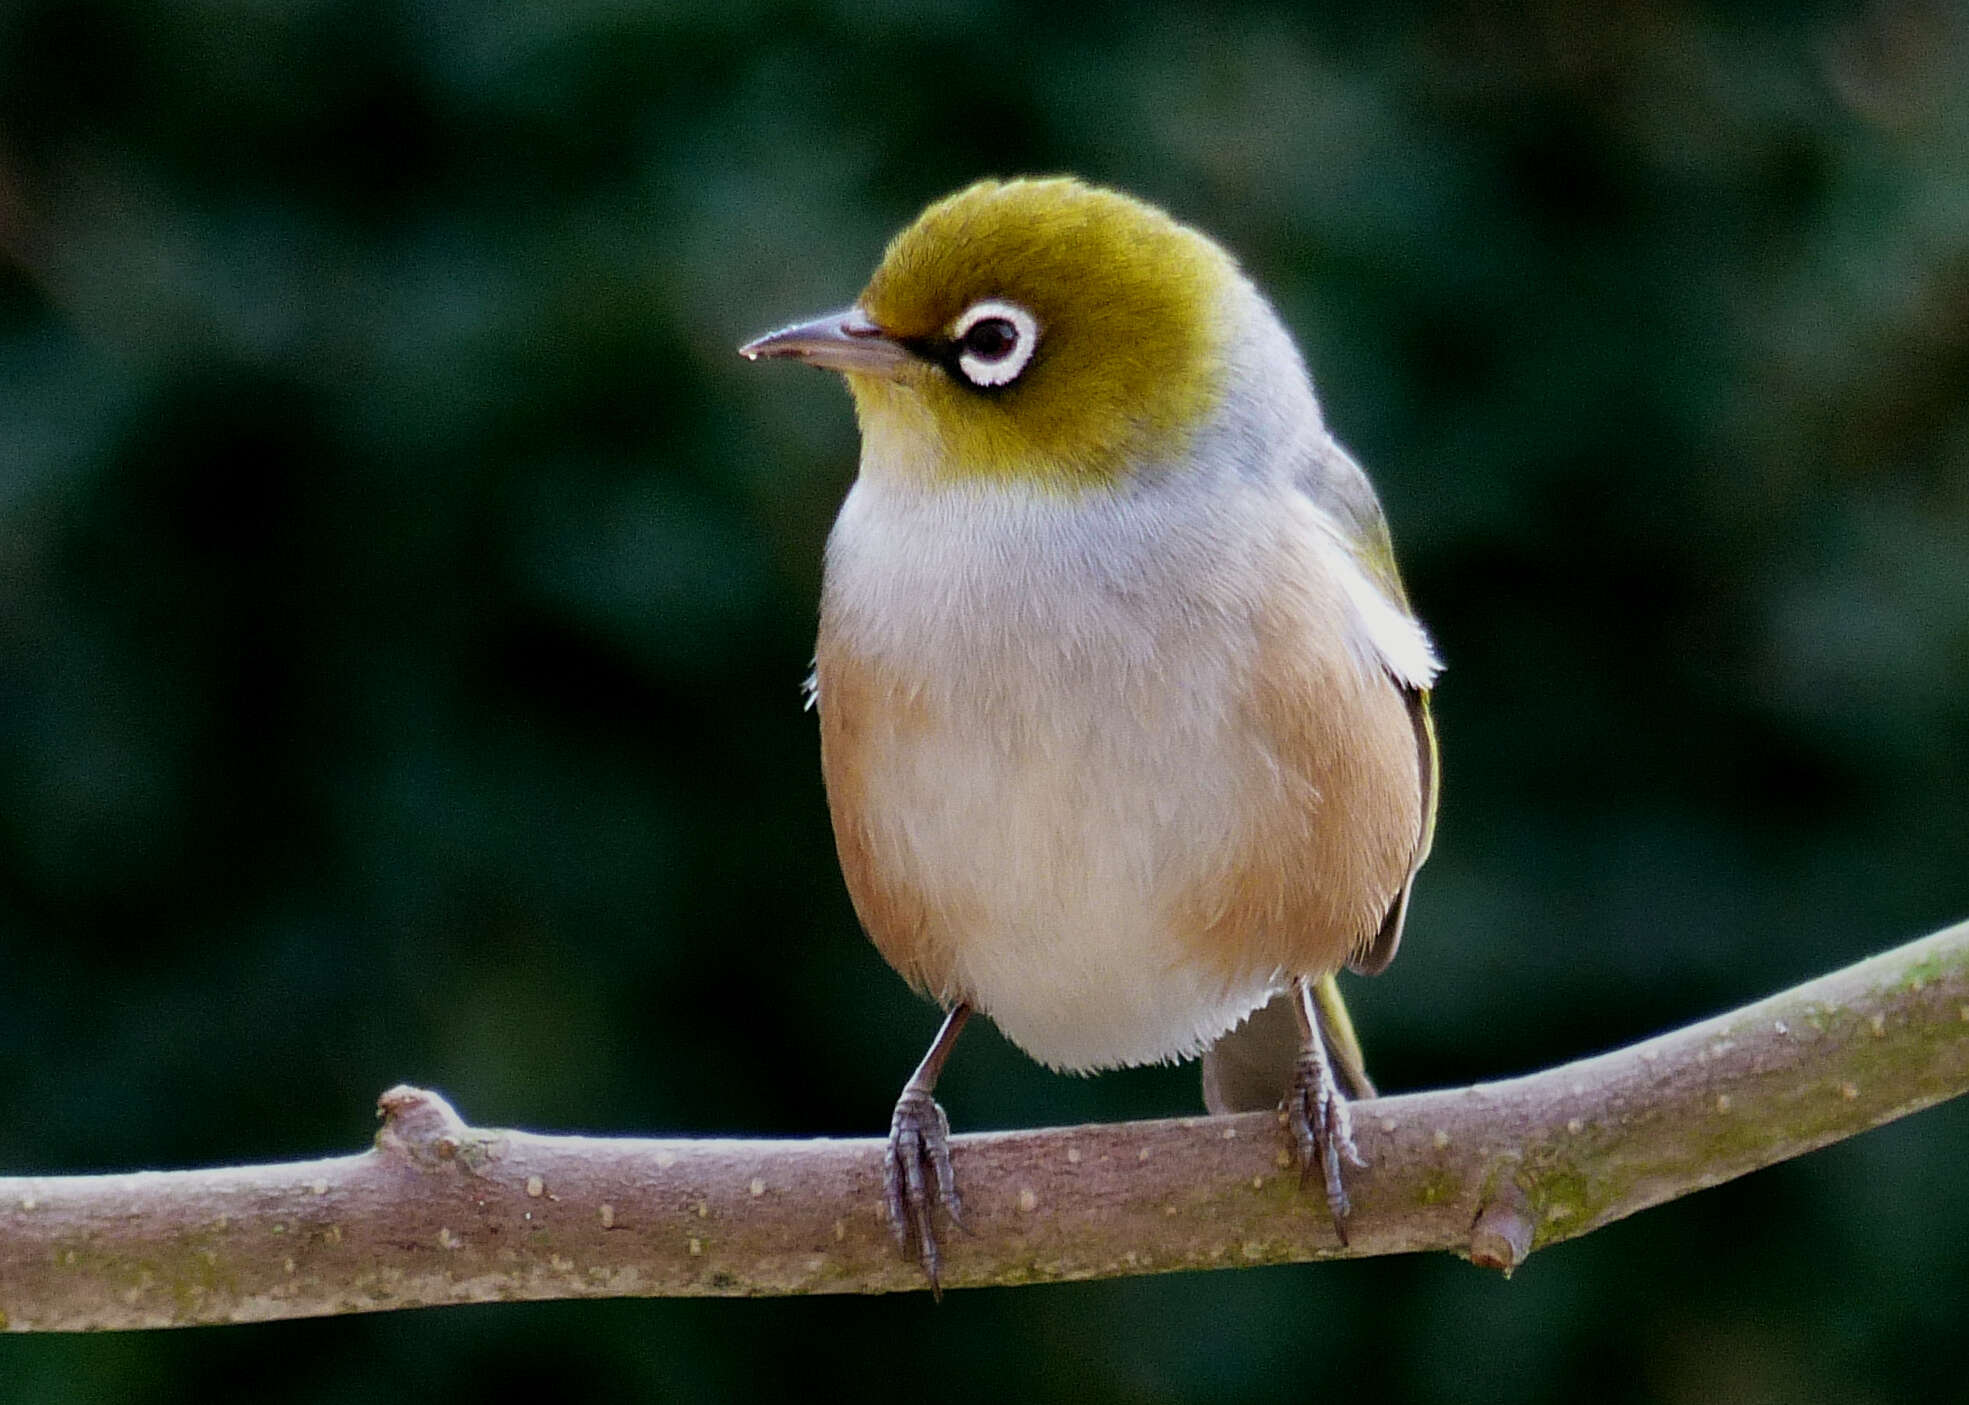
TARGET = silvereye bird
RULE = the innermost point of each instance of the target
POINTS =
(1124, 713)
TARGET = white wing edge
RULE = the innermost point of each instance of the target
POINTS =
(1399, 641)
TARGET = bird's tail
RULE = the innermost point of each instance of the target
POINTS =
(1249, 1069)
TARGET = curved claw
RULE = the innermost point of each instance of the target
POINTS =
(1317, 1115)
(918, 1153)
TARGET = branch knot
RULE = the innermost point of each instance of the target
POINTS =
(419, 1125)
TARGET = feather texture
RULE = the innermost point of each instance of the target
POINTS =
(1121, 701)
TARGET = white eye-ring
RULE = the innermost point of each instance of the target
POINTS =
(995, 341)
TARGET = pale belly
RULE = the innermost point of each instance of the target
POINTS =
(1055, 786)
(1054, 843)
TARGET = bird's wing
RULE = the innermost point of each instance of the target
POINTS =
(1346, 501)
(1249, 1069)
(1373, 958)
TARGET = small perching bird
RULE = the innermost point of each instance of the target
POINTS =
(1124, 714)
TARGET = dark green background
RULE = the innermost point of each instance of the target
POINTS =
(404, 593)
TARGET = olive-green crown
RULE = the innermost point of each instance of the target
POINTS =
(1128, 301)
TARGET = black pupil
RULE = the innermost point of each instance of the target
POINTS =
(991, 339)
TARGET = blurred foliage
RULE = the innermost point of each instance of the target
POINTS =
(404, 593)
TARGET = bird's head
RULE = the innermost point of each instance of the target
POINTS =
(1043, 331)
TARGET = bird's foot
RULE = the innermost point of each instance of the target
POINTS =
(919, 1153)
(1316, 1113)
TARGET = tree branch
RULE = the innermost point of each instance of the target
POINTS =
(439, 1212)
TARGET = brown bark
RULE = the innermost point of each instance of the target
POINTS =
(440, 1212)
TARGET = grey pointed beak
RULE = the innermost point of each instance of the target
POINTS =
(840, 341)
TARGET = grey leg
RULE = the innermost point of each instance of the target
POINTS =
(1316, 1110)
(919, 1152)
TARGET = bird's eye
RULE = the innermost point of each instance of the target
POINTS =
(991, 339)
(994, 342)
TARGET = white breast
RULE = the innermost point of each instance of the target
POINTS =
(1082, 662)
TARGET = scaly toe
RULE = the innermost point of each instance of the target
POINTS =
(918, 1154)
(1322, 1135)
